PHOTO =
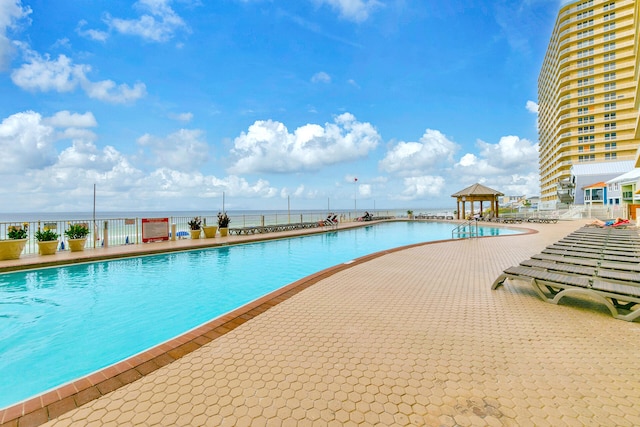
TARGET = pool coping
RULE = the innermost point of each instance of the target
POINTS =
(54, 403)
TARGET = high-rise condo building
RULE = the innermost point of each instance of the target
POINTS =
(588, 91)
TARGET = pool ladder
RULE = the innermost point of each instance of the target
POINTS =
(466, 230)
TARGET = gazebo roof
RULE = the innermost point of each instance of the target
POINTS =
(477, 190)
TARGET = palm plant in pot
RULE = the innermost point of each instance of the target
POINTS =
(77, 236)
(223, 223)
(195, 225)
(12, 247)
(47, 241)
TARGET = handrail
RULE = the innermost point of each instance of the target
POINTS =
(461, 230)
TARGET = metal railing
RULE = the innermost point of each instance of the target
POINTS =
(466, 230)
(126, 231)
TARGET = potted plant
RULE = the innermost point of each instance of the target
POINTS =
(12, 247)
(77, 236)
(195, 225)
(223, 223)
(209, 230)
(410, 214)
(47, 241)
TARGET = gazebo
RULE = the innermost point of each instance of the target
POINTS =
(477, 193)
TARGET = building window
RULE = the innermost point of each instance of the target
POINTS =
(586, 33)
(584, 82)
(609, 6)
(609, 96)
(609, 46)
(581, 149)
(586, 100)
(609, 26)
(585, 139)
(608, 136)
(585, 62)
(609, 56)
(609, 76)
(584, 53)
(583, 110)
(587, 158)
(609, 126)
(585, 24)
(609, 66)
(610, 156)
(585, 72)
(586, 129)
(609, 86)
(588, 119)
(610, 116)
(610, 106)
(583, 15)
(585, 91)
(607, 36)
(585, 5)
(585, 43)
(610, 146)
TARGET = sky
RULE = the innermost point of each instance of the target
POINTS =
(277, 104)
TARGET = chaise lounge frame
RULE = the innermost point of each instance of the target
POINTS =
(611, 280)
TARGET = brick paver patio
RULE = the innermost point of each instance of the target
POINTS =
(415, 337)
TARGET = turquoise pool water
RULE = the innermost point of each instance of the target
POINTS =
(59, 324)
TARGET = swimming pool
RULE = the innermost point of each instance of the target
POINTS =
(59, 324)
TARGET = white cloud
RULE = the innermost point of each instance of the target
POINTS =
(532, 107)
(269, 147)
(510, 153)
(68, 119)
(61, 75)
(96, 35)
(26, 142)
(159, 25)
(36, 175)
(183, 150)
(182, 117)
(353, 10)
(321, 77)
(510, 165)
(434, 150)
(420, 187)
(11, 11)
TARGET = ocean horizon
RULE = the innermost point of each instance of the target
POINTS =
(102, 215)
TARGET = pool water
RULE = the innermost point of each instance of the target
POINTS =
(59, 324)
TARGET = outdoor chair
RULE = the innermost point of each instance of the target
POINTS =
(608, 274)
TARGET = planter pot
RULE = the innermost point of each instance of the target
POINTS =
(11, 248)
(223, 231)
(48, 248)
(195, 234)
(77, 245)
(209, 231)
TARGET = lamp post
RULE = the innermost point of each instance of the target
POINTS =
(355, 196)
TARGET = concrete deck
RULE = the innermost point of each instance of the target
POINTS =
(413, 337)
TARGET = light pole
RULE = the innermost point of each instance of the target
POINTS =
(355, 196)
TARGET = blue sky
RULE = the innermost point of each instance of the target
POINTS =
(166, 104)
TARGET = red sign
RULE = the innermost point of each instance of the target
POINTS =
(155, 229)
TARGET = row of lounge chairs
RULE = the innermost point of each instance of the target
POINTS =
(272, 228)
(330, 221)
(423, 216)
(518, 220)
(603, 264)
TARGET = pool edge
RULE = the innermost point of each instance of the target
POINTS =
(54, 403)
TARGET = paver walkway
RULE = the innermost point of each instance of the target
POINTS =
(415, 337)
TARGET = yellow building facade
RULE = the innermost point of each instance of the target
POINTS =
(588, 91)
